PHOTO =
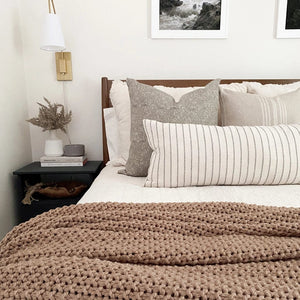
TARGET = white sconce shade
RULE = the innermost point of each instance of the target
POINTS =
(52, 38)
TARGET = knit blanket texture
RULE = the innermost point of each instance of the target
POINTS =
(154, 251)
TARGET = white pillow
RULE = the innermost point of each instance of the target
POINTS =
(120, 99)
(176, 93)
(112, 136)
(235, 86)
(192, 154)
(271, 90)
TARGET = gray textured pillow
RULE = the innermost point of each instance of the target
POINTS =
(197, 107)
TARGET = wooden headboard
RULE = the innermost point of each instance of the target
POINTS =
(106, 85)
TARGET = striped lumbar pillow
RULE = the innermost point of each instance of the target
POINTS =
(190, 154)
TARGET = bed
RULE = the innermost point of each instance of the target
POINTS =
(126, 241)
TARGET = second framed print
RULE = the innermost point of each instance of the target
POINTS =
(288, 24)
(189, 19)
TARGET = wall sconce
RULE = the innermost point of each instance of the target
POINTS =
(53, 41)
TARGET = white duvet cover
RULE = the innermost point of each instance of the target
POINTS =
(110, 186)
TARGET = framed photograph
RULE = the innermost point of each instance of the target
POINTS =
(189, 19)
(288, 25)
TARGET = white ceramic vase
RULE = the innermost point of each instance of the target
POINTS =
(53, 145)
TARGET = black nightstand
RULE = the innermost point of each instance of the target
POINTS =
(34, 173)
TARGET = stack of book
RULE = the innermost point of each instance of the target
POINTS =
(63, 161)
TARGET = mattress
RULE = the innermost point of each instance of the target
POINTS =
(110, 186)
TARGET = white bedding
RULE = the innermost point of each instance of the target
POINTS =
(110, 186)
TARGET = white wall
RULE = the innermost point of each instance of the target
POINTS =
(112, 38)
(14, 133)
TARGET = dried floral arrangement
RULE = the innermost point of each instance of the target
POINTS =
(52, 117)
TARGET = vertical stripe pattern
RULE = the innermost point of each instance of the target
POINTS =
(273, 111)
(197, 155)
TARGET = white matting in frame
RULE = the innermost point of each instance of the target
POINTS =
(282, 31)
(158, 32)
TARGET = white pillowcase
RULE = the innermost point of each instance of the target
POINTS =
(176, 93)
(120, 99)
(271, 90)
(112, 136)
(192, 154)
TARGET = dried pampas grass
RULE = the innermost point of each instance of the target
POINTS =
(52, 117)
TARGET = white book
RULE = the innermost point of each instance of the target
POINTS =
(63, 164)
(62, 159)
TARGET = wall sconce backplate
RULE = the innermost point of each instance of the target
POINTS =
(63, 66)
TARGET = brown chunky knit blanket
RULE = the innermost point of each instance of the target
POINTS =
(154, 251)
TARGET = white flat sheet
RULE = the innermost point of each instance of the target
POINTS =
(110, 186)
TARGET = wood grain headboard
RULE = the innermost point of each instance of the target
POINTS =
(106, 85)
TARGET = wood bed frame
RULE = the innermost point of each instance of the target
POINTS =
(106, 85)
